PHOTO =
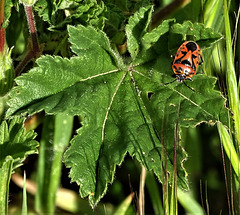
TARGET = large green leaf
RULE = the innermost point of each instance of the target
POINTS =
(123, 104)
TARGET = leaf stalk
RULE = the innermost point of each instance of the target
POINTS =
(35, 50)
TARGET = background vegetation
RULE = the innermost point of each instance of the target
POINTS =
(87, 117)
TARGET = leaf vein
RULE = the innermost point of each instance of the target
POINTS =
(185, 97)
(111, 102)
(98, 75)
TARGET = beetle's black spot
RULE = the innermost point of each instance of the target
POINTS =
(186, 62)
(191, 46)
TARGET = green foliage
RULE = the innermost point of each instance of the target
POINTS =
(5, 171)
(6, 72)
(58, 15)
(8, 4)
(112, 73)
(197, 32)
(136, 28)
(123, 102)
(15, 145)
(16, 142)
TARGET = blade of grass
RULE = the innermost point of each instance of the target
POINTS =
(55, 137)
(213, 14)
(165, 191)
(62, 135)
(213, 18)
(123, 207)
(237, 49)
(166, 195)
(5, 173)
(206, 194)
(225, 177)
(189, 203)
(229, 148)
(153, 191)
(164, 175)
(24, 202)
(44, 169)
(233, 94)
(173, 200)
(141, 201)
(173, 203)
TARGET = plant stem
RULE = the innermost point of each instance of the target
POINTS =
(32, 28)
(2, 30)
(35, 51)
(169, 9)
(141, 191)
